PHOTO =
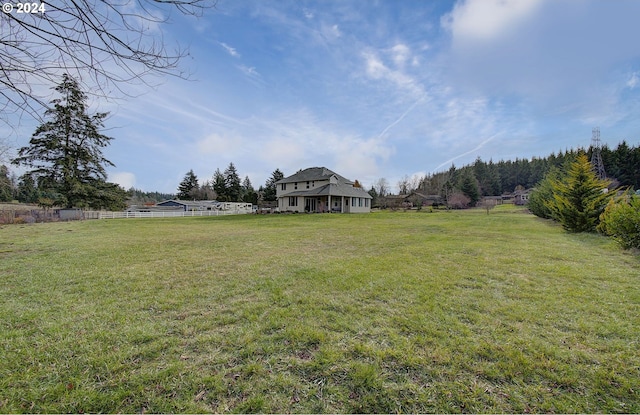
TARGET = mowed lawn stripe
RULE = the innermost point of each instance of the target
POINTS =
(383, 312)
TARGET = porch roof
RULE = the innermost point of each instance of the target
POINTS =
(332, 190)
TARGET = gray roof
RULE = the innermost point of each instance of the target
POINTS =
(314, 173)
(187, 202)
(340, 189)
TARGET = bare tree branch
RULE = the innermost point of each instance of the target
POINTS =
(106, 44)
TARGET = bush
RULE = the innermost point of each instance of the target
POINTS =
(621, 221)
(579, 197)
(458, 200)
(542, 195)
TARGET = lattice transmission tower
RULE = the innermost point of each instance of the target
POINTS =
(596, 156)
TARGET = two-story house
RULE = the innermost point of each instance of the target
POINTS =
(318, 189)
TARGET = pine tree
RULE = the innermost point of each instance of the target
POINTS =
(6, 189)
(579, 197)
(65, 153)
(469, 186)
(188, 186)
(542, 195)
(27, 190)
(270, 186)
(232, 183)
(249, 194)
(494, 184)
(220, 186)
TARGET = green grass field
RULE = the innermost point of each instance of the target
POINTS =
(382, 312)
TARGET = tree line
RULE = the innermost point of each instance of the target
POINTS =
(465, 186)
(228, 187)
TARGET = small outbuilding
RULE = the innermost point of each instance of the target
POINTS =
(190, 205)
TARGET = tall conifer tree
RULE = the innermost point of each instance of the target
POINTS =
(188, 186)
(65, 153)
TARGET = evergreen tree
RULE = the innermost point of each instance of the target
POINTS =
(579, 197)
(539, 168)
(469, 187)
(232, 183)
(481, 172)
(188, 186)
(494, 186)
(6, 188)
(220, 186)
(249, 195)
(269, 194)
(27, 190)
(206, 191)
(139, 197)
(374, 195)
(542, 195)
(65, 153)
(109, 196)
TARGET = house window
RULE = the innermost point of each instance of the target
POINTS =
(366, 203)
(293, 201)
(283, 186)
(360, 201)
(353, 202)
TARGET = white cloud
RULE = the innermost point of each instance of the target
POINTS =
(634, 80)
(487, 19)
(231, 51)
(250, 71)
(558, 56)
(216, 143)
(284, 153)
(374, 66)
(400, 53)
(376, 69)
(330, 33)
(125, 179)
(360, 159)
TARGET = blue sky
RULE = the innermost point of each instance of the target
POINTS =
(374, 89)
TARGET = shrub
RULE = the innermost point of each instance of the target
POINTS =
(579, 197)
(621, 221)
(19, 221)
(458, 200)
(542, 195)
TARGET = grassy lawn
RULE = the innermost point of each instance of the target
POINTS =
(385, 312)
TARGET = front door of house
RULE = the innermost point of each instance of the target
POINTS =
(310, 204)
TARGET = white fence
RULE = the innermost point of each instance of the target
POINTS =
(161, 214)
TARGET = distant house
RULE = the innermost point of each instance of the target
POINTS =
(492, 200)
(420, 199)
(392, 201)
(408, 201)
(521, 197)
(318, 189)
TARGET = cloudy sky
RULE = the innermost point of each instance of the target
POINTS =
(375, 89)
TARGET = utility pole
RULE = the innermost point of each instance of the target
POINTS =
(596, 156)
